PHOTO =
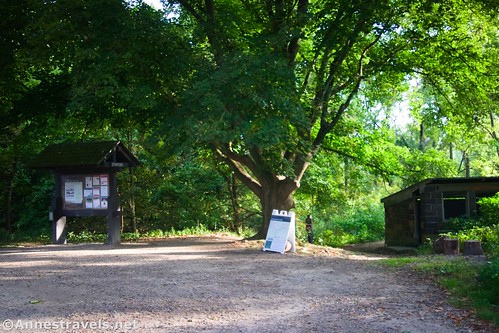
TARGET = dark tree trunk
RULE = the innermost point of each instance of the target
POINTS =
(421, 137)
(276, 194)
(236, 209)
(10, 193)
(131, 200)
(493, 132)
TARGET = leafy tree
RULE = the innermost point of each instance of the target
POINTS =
(277, 78)
(457, 99)
(79, 70)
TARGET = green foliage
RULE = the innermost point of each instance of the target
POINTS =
(489, 210)
(130, 236)
(488, 236)
(123, 70)
(86, 237)
(457, 224)
(5, 236)
(86, 225)
(431, 163)
(97, 237)
(353, 225)
(344, 200)
(33, 210)
(335, 238)
(484, 229)
(155, 233)
(191, 193)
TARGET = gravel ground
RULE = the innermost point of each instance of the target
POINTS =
(215, 284)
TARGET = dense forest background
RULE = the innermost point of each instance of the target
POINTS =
(235, 106)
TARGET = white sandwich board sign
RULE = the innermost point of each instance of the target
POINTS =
(281, 232)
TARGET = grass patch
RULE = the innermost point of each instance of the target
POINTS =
(399, 262)
(23, 240)
(99, 237)
(93, 237)
(472, 286)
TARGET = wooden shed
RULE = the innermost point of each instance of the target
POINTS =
(421, 210)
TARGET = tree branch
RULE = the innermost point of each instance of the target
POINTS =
(293, 45)
(189, 8)
(241, 173)
(367, 164)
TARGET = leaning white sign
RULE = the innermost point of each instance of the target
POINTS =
(281, 232)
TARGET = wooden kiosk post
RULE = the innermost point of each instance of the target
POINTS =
(85, 183)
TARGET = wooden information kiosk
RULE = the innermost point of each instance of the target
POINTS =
(85, 183)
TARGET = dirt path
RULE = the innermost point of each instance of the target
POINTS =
(214, 284)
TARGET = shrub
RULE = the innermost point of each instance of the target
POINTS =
(130, 236)
(158, 233)
(354, 225)
(489, 210)
(487, 235)
(86, 237)
(5, 236)
(457, 224)
(484, 229)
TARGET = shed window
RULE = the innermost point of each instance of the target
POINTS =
(454, 205)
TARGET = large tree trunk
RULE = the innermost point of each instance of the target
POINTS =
(273, 191)
(276, 194)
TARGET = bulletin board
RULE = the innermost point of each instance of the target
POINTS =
(281, 232)
(85, 192)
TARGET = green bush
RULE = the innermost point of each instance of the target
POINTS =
(457, 224)
(96, 237)
(5, 236)
(158, 233)
(484, 229)
(487, 235)
(489, 210)
(130, 236)
(357, 224)
(86, 237)
(334, 238)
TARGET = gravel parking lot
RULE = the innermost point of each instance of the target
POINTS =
(214, 284)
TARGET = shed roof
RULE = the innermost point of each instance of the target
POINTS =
(111, 154)
(465, 182)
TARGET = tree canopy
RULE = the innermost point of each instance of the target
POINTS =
(257, 91)
(279, 78)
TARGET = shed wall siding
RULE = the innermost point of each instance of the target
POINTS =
(417, 212)
(431, 210)
(399, 224)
